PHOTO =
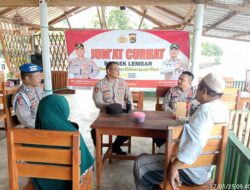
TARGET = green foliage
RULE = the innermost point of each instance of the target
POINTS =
(117, 19)
(211, 49)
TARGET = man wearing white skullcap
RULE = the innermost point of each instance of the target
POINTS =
(149, 169)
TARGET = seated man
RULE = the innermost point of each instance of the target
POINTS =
(148, 169)
(110, 90)
(181, 93)
(26, 100)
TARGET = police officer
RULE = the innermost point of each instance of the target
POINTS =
(109, 90)
(173, 67)
(80, 66)
(181, 93)
(184, 92)
(26, 100)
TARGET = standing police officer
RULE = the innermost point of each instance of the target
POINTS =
(26, 100)
(173, 67)
(80, 66)
(109, 90)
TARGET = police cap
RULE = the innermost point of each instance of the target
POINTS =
(30, 68)
(79, 45)
(172, 46)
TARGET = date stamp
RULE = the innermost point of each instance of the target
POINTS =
(230, 186)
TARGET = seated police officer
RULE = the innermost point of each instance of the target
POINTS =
(26, 100)
(108, 94)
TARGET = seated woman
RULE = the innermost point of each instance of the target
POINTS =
(52, 114)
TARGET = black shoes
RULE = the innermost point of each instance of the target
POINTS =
(118, 151)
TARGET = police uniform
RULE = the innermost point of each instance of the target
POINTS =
(85, 68)
(168, 68)
(174, 95)
(26, 100)
(106, 92)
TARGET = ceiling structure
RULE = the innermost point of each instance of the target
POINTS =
(228, 19)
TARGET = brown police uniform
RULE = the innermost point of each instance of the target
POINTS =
(83, 69)
(174, 95)
(172, 69)
(25, 103)
(106, 93)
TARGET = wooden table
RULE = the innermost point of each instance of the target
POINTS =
(154, 126)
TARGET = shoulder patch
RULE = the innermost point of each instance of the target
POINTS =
(20, 100)
(96, 89)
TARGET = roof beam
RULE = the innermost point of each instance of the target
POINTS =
(146, 16)
(189, 16)
(240, 8)
(5, 11)
(227, 17)
(100, 19)
(170, 12)
(236, 36)
(175, 26)
(103, 17)
(63, 16)
(81, 3)
(142, 18)
(228, 38)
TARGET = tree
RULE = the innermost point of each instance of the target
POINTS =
(117, 19)
(211, 49)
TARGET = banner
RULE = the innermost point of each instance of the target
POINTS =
(147, 58)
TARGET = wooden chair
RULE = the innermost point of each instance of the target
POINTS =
(57, 162)
(212, 154)
(229, 82)
(231, 97)
(11, 117)
(138, 97)
(160, 94)
(3, 115)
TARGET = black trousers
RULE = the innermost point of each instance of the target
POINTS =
(116, 144)
(159, 141)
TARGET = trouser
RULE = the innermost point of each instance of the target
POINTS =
(159, 141)
(149, 172)
(117, 143)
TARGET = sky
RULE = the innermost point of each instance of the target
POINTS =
(235, 59)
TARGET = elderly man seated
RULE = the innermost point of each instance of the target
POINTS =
(181, 93)
(148, 169)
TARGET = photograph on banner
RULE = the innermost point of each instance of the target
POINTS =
(147, 58)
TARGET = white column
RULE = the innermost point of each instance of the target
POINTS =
(197, 34)
(45, 45)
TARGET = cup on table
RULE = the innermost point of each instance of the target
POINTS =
(139, 117)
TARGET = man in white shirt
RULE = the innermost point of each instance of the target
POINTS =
(148, 169)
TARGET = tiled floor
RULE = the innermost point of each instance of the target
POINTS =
(119, 174)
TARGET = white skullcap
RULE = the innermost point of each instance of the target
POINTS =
(215, 82)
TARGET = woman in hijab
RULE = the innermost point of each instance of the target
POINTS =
(52, 114)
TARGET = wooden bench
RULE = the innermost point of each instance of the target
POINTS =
(57, 161)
